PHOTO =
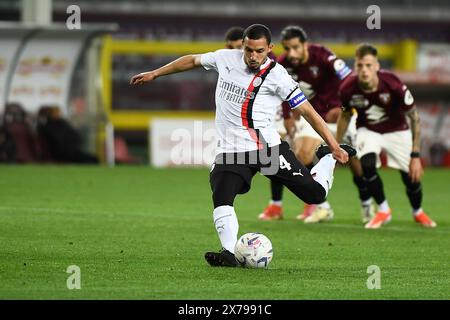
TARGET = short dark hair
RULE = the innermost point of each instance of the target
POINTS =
(234, 33)
(258, 31)
(291, 32)
(365, 49)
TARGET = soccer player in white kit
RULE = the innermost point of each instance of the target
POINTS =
(250, 87)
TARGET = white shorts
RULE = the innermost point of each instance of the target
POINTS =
(397, 145)
(304, 129)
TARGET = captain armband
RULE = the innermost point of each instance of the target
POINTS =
(296, 98)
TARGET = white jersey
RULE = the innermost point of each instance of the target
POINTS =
(247, 102)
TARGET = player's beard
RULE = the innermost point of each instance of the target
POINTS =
(256, 68)
(294, 61)
(253, 69)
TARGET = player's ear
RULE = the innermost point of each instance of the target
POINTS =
(305, 46)
(270, 47)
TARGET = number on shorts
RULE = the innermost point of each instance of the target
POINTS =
(284, 164)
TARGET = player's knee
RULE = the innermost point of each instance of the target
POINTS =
(369, 165)
(319, 197)
(359, 181)
(222, 199)
(355, 167)
(316, 195)
(221, 195)
(225, 186)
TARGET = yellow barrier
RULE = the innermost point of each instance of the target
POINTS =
(139, 120)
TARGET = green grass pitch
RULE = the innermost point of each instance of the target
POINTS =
(141, 233)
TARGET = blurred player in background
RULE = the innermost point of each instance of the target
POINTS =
(249, 89)
(382, 102)
(319, 73)
(234, 38)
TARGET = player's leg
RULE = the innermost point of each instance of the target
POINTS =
(414, 192)
(311, 187)
(305, 147)
(376, 188)
(398, 148)
(309, 141)
(369, 145)
(367, 207)
(225, 185)
(277, 193)
(274, 211)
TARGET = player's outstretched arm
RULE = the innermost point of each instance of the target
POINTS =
(316, 121)
(342, 124)
(181, 64)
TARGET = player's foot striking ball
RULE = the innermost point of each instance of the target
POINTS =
(224, 258)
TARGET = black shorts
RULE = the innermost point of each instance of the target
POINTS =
(289, 170)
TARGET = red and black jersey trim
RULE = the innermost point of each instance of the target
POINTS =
(247, 106)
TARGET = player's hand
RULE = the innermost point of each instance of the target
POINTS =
(340, 155)
(142, 78)
(415, 170)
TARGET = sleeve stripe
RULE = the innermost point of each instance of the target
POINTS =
(290, 94)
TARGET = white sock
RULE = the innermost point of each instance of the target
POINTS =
(277, 203)
(227, 226)
(416, 212)
(384, 206)
(324, 205)
(322, 172)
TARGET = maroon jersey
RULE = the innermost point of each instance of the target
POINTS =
(383, 110)
(319, 78)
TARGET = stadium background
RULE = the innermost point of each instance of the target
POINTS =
(85, 73)
(121, 38)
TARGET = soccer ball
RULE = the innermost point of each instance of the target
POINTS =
(253, 250)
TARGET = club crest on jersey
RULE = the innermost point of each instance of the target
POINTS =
(314, 71)
(385, 98)
(358, 101)
(257, 82)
